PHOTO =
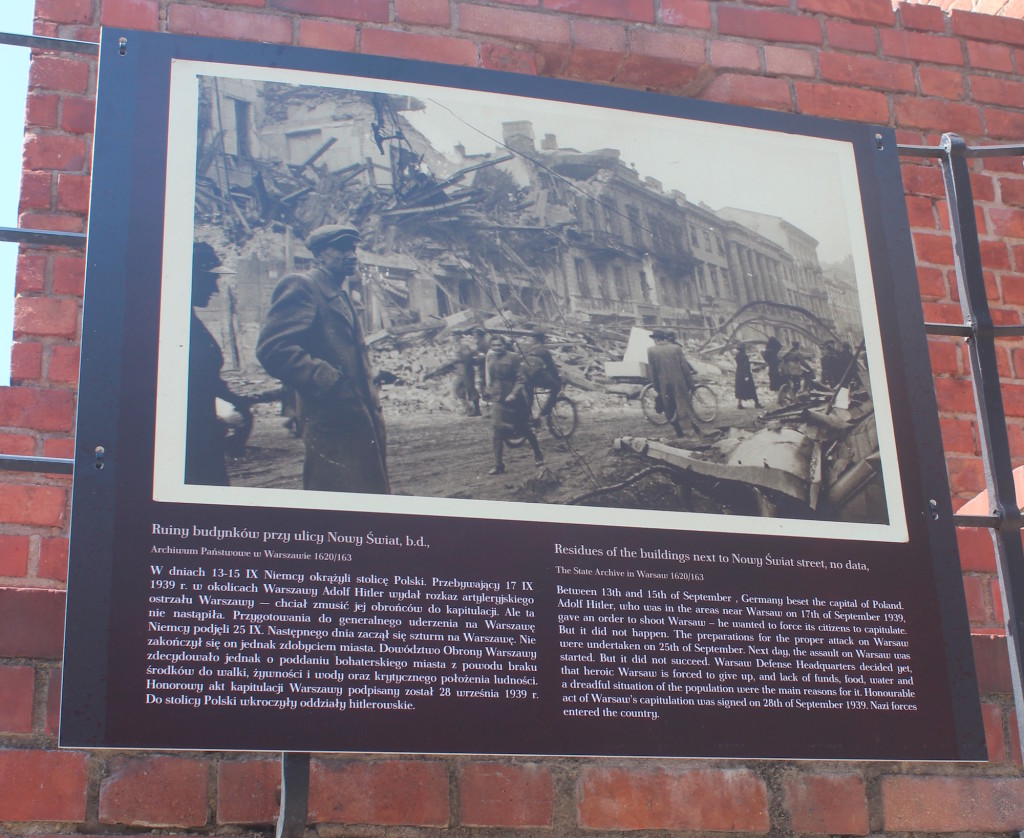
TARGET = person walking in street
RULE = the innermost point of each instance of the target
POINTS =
(508, 394)
(671, 376)
(312, 342)
(745, 388)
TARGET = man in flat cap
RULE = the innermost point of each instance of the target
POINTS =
(671, 376)
(313, 343)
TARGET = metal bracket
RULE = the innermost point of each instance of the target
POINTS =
(291, 822)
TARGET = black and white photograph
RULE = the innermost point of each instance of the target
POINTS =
(505, 307)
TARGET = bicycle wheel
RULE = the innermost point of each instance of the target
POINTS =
(648, 400)
(562, 419)
(705, 403)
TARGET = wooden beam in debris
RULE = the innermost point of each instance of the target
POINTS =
(316, 155)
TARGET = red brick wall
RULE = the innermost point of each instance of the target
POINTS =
(919, 69)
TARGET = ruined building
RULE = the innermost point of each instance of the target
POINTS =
(531, 229)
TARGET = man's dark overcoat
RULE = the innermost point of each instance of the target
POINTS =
(312, 341)
(670, 374)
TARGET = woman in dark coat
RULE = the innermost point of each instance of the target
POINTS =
(745, 386)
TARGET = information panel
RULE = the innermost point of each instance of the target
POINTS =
(426, 409)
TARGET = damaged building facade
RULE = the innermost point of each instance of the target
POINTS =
(530, 229)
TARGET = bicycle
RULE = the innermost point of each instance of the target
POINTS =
(561, 421)
(702, 398)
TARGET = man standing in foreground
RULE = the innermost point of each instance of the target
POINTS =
(312, 342)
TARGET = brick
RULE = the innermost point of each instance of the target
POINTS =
(942, 313)
(413, 793)
(1002, 124)
(52, 72)
(22, 444)
(31, 272)
(995, 738)
(992, 664)
(513, 24)
(245, 26)
(511, 60)
(835, 102)
(1007, 222)
(64, 11)
(514, 796)
(732, 800)
(31, 622)
(982, 56)
(62, 448)
(966, 476)
(944, 357)
(754, 91)
(155, 791)
(927, 113)
(13, 553)
(921, 213)
(424, 12)
(17, 692)
(768, 25)
(57, 222)
(44, 316)
(26, 362)
(426, 47)
(735, 55)
(923, 17)
(862, 11)
(868, 72)
(921, 46)
(851, 36)
(131, 14)
(958, 436)
(64, 364)
(41, 110)
(248, 791)
(977, 604)
(1001, 29)
(995, 256)
(933, 248)
(997, 91)
(692, 14)
(73, 192)
(636, 11)
(1011, 191)
(53, 559)
(322, 34)
(40, 506)
(366, 11)
(952, 804)
(946, 84)
(602, 38)
(788, 61)
(36, 189)
(592, 65)
(42, 786)
(54, 152)
(954, 395)
(976, 550)
(834, 803)
(78, 116)
(679, 49)
(69, 275)
(53, 680)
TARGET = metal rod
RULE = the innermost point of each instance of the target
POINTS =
(969, 151)
(43, 465)
(992, 434)
(966, 331)
(56, 44)
(291, 822)
(26, 236)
